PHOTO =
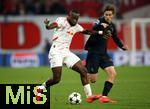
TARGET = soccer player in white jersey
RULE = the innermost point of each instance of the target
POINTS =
(64, 30)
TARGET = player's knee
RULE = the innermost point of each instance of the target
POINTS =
(93, 81)
(112, 76)
(83, 72)
(92, 77)
(83, 75)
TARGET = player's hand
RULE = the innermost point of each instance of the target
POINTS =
(125, 47)
(107, 34)
(46, 21)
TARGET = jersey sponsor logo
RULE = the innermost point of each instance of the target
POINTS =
(70, 33)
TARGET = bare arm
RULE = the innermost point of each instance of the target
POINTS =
(51, 25)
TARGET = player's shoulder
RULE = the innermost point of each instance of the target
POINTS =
(101, 18)
(98, 21)
(78, 26)
(112, 24)
(61, 18)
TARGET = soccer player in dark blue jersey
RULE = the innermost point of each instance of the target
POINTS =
(97, 55)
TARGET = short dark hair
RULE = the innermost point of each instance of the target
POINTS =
(75, 12)
(109, 8)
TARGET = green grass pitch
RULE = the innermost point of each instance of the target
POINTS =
(131, 89)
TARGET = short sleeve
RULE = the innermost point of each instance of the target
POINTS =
(80, 28)
(97, 22)
(97, 25)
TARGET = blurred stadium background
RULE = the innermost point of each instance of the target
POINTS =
(24, 42)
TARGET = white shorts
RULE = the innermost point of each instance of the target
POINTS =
(59, 58)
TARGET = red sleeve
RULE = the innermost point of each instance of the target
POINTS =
(55, 24)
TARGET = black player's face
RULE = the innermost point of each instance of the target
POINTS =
(108, 15)
(73, 18)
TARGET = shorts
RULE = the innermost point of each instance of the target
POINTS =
(58, 58)
(94, 61)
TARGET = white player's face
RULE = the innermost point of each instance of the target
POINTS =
(108, 15)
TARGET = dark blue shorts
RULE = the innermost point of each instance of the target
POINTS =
(94, 61)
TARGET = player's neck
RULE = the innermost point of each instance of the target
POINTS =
(107, 21)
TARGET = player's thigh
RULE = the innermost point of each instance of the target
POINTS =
(105, 61)
(71, 59)
(92, 63)
(56, 60)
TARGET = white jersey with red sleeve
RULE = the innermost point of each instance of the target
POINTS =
(63, 35)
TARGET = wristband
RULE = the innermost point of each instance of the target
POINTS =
(100, 32)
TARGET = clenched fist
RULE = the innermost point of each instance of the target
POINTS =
(46, 21)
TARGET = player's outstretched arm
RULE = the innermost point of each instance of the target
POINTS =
(90, 32)
(51, 25)
(120, 43)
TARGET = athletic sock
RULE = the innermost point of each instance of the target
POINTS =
(107, 87)
(43, 86)
(87, 90)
